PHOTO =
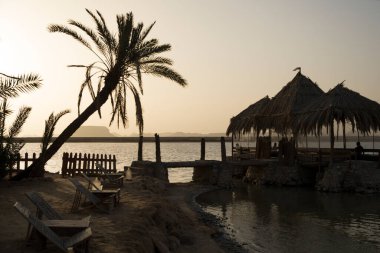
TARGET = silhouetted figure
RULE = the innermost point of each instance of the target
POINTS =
(275, 146)
(359, 151)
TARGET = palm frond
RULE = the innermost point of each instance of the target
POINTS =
(13, 86)
(50, 124)
(138, 107)
(145, 33)
(70, 32)
(104, 34)
(19, 122)
(87, 83)
(157, 60)
(163, 71)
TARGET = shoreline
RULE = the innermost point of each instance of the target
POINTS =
(224, 240)
(153, 216)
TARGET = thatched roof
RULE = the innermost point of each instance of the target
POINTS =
(298, 93)
(246, 120)
(342, 105)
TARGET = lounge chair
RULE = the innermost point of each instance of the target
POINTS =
(91, 184)
(74, 242)
(116, 179)
(43, 208)
(99, 198)
(102, 186)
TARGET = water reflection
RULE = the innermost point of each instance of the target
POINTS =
(298, 220)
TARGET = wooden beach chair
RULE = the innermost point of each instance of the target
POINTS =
(91, 185)
(45, 209)
(116, 179)
(102, 186)
(70, 243)
(104, 200)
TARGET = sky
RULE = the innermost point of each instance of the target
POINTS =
(232, 53)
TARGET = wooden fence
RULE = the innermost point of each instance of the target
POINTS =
(74, 164)
(21, 163)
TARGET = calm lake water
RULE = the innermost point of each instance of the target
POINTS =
(293, 220)
(127, 152)
(264, 219)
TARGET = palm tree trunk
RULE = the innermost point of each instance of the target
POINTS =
(36, 169)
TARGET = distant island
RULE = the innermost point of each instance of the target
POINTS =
(93, 131)
(102, 131)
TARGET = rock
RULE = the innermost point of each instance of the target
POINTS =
(351, 176)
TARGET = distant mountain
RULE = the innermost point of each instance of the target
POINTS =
(93, 131)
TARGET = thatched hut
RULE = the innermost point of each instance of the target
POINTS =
(246, 120)
(341, 105)
(281, 111)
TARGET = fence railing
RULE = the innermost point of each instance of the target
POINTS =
(74, 164)
(21, 163)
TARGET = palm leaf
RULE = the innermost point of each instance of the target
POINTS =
(163, 71)
(50, 124)
(19, 122)
(13, 86)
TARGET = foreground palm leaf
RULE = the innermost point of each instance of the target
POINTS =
(121, 60)
(12, 86)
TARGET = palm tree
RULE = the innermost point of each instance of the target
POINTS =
(12, 86)
(9, 148)
(121, 60)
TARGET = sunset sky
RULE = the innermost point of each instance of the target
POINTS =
(232, 53)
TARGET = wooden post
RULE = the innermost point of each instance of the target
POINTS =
(373, 142)
(332, 139)
(140, 149)
(26, 161)
(65, 158)
(114, 163)
(344, 134)
(203, 149)
(307, 146)
(158, 148)
(223, 148)
(232, 145)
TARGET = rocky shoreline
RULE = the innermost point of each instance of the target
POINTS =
(226, 242)
(350, 176)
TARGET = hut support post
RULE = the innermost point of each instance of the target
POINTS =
(223, 148)
(158, 148)
(344, 134)
(307, 146)
(331, 139)
(232, 144)
(203, 149)
(257, 136)
(140, 149)
(373, 142)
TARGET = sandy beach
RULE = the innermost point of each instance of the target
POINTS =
(152, 217)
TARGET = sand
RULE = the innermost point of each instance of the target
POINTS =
(152, 217)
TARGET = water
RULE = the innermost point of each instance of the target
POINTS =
(127, 152)
(269, 219)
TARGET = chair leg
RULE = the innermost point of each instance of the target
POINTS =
(76, 201)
